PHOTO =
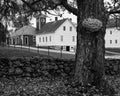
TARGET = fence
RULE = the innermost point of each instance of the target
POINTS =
(46, 51)
(52, 53)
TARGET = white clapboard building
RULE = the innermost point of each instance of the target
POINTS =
(62, 33)
(112, 37)
(57, 34)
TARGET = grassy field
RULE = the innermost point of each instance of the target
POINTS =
(18, 52)
(109, 54)
(117, 50)
(15, 52)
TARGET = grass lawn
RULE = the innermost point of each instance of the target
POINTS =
(18, 52)
(15, 52)
(117, 50)
(109, 54)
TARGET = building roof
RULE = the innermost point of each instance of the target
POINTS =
(113, 23)
(51, 27)
(75, 24)
(26, 30)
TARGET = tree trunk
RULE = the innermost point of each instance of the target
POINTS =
(90, 45)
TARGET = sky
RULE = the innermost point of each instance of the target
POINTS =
(51, 18)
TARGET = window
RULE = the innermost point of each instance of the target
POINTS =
(64, 28)
(34, 38)
(73, 38)
(61, 37)
(110, 41)
(50, 38)
(110, 32)
(116, 41)
(46, 39)
(70, 28)
(26, 40)
(40, 39)
(17, 40)
(43, 39)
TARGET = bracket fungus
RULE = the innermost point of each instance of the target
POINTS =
(57, 1)
(92, 24)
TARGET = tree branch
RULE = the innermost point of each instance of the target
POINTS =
(29, 5)
(69, 8)
(114, 11)
(33, 3)
(34, 9)
(62, 2)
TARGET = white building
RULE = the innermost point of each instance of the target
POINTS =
(62, 33)
(58, 34)
(112, 37)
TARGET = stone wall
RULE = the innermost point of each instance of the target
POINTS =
(112, 67)
(34, 67)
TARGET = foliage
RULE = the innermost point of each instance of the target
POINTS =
(44, 87)
(19, 12)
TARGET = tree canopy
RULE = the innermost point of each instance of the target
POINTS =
(10, 8)
(90, 52)
(20, 11)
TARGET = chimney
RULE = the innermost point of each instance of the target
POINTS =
(56, 18)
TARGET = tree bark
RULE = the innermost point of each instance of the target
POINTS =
(90, 45)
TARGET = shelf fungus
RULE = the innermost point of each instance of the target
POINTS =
(57, 1)
(92, 24)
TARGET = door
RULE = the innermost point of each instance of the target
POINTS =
(67, 48)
